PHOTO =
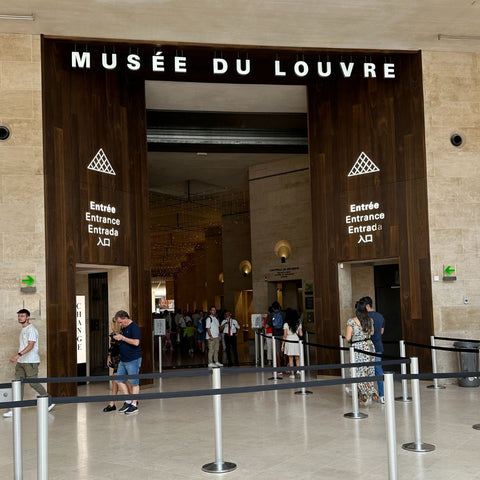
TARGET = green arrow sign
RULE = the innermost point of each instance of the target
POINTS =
(29, 280)
(449, 270)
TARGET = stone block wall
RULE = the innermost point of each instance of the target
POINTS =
(22, 231)
(452, 105)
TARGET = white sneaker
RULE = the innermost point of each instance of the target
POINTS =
(8, 414)
(51, 406)
(218, 364)
(381, 399)
(211, 365)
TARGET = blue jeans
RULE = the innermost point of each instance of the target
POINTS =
(379, 371)
(129, 368)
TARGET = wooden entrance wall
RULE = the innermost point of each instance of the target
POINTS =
(86, 109)
(384, 120)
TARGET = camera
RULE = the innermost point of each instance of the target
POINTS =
(112, 334)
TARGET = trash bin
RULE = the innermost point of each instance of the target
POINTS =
(468, 362)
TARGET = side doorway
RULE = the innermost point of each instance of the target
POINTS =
(387, 302)
(98, 322)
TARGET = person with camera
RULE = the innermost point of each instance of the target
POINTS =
(113, 360)
(130, 359)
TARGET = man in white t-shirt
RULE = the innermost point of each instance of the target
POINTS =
(27, 359)
(213, 337)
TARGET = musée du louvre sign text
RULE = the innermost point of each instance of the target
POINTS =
(161, 63)
(102, 222)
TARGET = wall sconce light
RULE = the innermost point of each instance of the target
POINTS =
(283, 249)
(220, 277)
(245, 267)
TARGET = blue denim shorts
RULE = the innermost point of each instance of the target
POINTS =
(129, 368)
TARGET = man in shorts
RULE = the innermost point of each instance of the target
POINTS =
(130, 359)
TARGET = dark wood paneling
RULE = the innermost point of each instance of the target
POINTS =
(84, 111)
(384, 119)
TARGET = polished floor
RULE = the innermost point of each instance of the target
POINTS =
(268, 435)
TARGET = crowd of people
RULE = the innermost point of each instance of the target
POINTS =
(207, 333)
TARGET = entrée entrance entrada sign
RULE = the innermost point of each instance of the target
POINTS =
(159, 62)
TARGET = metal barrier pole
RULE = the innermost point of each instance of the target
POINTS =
(355, 413)
(403, 369)
(17, 431)
(256, 347)
(434, 365)
(390, 427)
(308, 347)
(42, 452)
(417, 445)
(262, 349)
(159, 354)
(274, 359)
(342, 354)
(303, 391)
(218, 466)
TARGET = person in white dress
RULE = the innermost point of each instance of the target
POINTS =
(292, 331)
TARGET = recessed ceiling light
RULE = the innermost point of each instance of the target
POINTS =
(17, 17)
(202, 154)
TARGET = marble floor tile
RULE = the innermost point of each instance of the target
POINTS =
(269, 435)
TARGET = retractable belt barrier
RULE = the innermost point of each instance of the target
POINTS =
(216, 391)
(219, 466)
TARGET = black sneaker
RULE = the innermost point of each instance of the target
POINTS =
(109, 408)
(131, 410)
(124, 408)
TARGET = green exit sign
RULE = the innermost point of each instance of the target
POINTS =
(449, 273)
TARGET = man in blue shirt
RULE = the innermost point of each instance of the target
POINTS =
(130, 359)
(378, 329)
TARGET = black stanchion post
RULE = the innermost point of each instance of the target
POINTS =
(218, 466)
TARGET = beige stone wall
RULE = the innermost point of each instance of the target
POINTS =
(22, 232)
(118, 290)
(236, 248)
(354, 281)
(452, 104)
(280, 209)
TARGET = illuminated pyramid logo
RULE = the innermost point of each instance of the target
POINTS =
(101, 164)
(363, 165)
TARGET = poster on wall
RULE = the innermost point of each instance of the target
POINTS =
(81, 326)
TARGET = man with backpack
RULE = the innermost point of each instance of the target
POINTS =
(276, 320)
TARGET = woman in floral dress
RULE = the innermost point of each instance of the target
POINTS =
(358, 332)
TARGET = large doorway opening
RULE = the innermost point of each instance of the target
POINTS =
(379, 280)
(203, 140)
(100, 291)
